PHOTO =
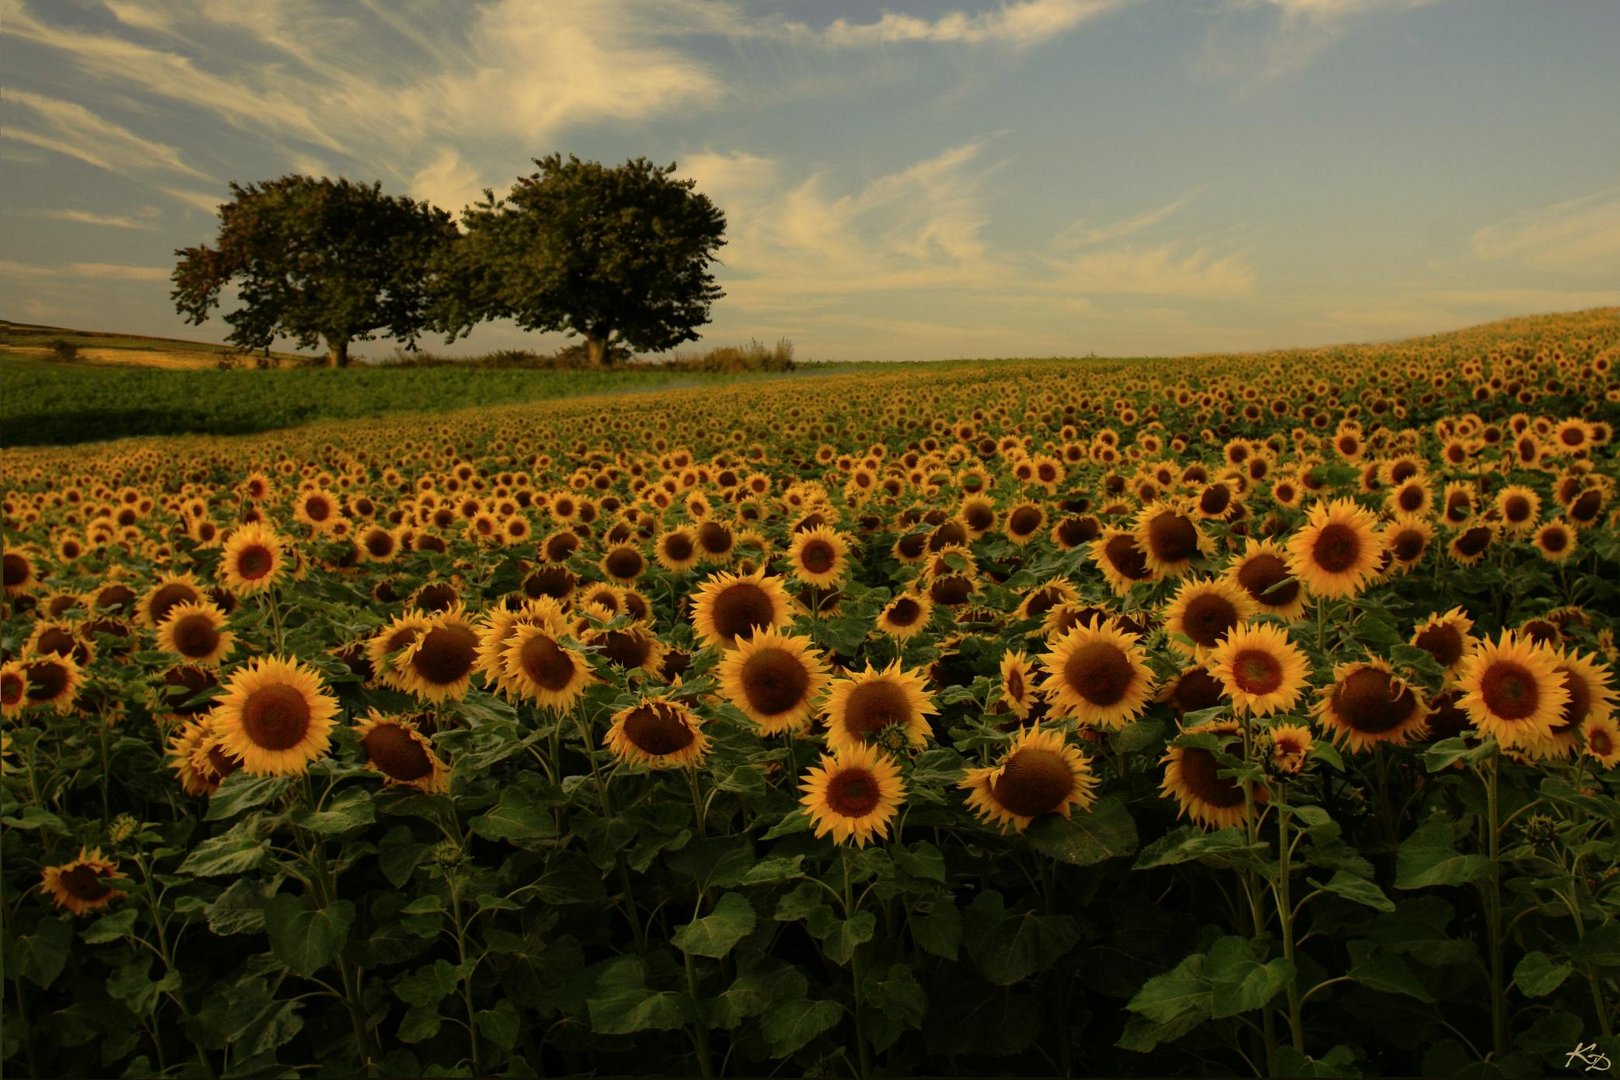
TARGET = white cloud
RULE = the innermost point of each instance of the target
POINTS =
(145, 219)
(1578, 235)
(197, 200)
(1154, 271)
(1299, 31)
(1022, 25)
(102, 271)
(448, 182)
(73, 130)
(1080, 234)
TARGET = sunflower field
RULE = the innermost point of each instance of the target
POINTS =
(1245, 716)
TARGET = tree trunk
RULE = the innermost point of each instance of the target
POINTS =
(596, 344)
(337, 352)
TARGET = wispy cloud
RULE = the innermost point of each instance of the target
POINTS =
(1162, 270)
(96, 270)
(1082, 233)
(145, 219)
(1022, 25)
(69, 128)
(1289, 35)
(1578, 235)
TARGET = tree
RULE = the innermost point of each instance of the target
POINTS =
(318, 259)
(594, 251)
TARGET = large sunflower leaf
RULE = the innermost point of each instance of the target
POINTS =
(717, 933)
(304, 937)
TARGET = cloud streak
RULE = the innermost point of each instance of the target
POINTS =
(1581, 235)
(71, 129)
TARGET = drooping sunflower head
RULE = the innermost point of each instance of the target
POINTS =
(51, 681)
(1192, 690)
(1469, 544)
(170, 591)
(1041, 773)
(254, 559)
(1169, 539)
(1192, 776)
(1591, 697)
(182, 753)
(1601, 737)
(1262, 671)
(1263, 573)
(1513, 691)
(1368, 704)
(1336, 553)
(1017, 683)
(536, 666)
(386, 647)
(1044, 597)
(82, 885)
(21, 570)
(854, 793)
(13, 688)
(1446, 638)
(658, 733)
(729, 608)
(275, 716)
(819, 556)
(1406, 540)
(1204, 612)
(401, 754)
(629, 647)
(1290, 747)
(196, 632)
(438, 663)
(1098, 674)
(775, 679)
(1121, 561)
(905, 616)
(861, 705)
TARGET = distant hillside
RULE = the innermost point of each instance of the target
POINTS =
(98, 347)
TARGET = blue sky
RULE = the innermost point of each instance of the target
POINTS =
(901, 181)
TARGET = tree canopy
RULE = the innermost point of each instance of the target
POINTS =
(318, 259)
(617, 253)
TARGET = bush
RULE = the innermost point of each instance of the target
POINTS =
(64, 351)
(755, 356)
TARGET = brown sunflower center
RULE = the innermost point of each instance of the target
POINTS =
(1257, 672)
(774, 681)
(874, 705)
(317, 508)
(1447, 717)
(1368, 700)
(1443, 641)
(1336, 548)
(56, 640)
(168, 597)
(715, 538)
(445, 655)
(1208, 618)
(627, 648)
(1265, 577)
(678, 547)
(1410, 498)
(254, 562)
(1554, 539)
(1172, 538)
(1585, 508)
(221, 762)
(47, 680)
(817, 556)
(740, 607)
(951, 590)
(1474, 541)
(1516, 508)
(657, 730)
(853, 793)
(1100, 672)
(1125, 557)
(1510, 690)
(1195, 690)
(1599, 743)
(904, 611)
(195, 636)
(379, 543)
(276, 717)
(1200, 775)
(1033, 782)
(115, 596)
(1015, 684)
(979, 517)
(1215, 499)
(624, 563)
(84, 883)
(1024, 520)
(391, 748)
(12, 688)
(546, 662)
(16, 569)
(1580, 700)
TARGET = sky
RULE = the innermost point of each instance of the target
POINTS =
(901, 181)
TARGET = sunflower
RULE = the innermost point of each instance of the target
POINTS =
(384, 649)
(1017, 683)
(1043, 598)
(170, 591)
(658, 733)
(255, 558)
(52, 680)
(318, 510)
(1512, 690)
(1555, 540)
(1024, 522)
(861, 705)
(1192, 690)
(500, 626)
(1204, 612)
(536, 666)
(1602, 738)
(774, 678)
(1262, 572)
(80, 885)
(1192, 776)
(905, 616)
(819, 557)
(1586, 678)
(1263, 672)
(1290, 746)
(1097, 674)
(623, 563)
(729, 608)
(1368, 704)
(628, 648)
(1039, 774)
(1470, 544)
(439, 661)
(1169, 539)
(196, 632)
(13, 688)
(183, 748)
(20, 572)
(275, 716)
(1520, 508)
(853, 793)
(1122, 563)
(1446, 638)
(676, 550)
(401, 754)
(1336, 552)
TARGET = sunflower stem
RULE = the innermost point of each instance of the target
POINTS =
(466, 972)
(1285, 916)
(700, 1031)
(699, 810)
(1492, 890)
(863, 1048)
